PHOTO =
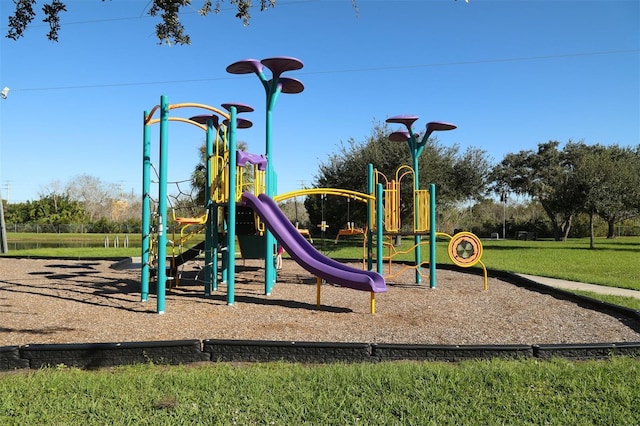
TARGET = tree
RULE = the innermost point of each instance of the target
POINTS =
(295, 212)
(545, 176)
(458, 177)
(608, 181)
(596, 180)
(55, 209)
(169, 31)
(99, 198)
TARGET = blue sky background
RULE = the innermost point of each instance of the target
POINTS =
(509, 74)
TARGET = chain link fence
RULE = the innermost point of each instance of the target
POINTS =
(72, 228)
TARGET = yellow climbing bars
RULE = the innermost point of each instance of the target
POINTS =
(391, 204)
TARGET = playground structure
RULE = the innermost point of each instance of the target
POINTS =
(237, 209)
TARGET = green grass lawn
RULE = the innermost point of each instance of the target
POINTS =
(496, 392)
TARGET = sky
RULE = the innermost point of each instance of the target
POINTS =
(510, 74)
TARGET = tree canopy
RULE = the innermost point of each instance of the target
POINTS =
(596, 180)
(169, 31)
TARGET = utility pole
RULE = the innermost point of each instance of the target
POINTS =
(7, 187)
(3, 229)
(503, 198)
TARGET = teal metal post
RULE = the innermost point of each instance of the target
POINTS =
(208, 241)
(214, 252)
(432, 235)
(231, 225)
(379, 226)
(416, 187)
(273, 91)
(269, 267)
(146, 210)
(370, 219)
(162, 204)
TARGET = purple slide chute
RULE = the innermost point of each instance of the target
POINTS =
(306, 254)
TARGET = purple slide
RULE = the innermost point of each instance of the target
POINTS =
(305, 254)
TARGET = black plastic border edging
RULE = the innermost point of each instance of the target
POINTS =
(97, 355)
(306, 352)
(392, 352)
(10, 358)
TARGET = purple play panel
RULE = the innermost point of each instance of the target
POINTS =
(306, 255)
(242, 158)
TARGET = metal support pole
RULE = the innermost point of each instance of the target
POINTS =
(146, 211)
(231, 226)
(208, 239)
(370, 219)
(416, 237)
(162, 204)
(379, 226)
(432, 235)
(269, 240)
(3, 230)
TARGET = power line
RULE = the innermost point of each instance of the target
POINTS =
(482, 61)
(343, 71)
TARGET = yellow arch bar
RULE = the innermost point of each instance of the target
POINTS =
(184, 120)
(149, 120)
(358, 196)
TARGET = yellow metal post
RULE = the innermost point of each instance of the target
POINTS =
(318, 286)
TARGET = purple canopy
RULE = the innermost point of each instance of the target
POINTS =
(407, 120)
(399, 136)
(241, 123)
(280, 64)
(290, 85)
(239, 107)
(439, 125)
(245, 66)
(202, 119)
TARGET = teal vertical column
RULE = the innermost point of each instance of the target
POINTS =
(214, 250)
(269, 267)
(208, 239)
(162, 204)
(432, 235)
(379, 229)
(370, 219)
(416, 237)
(146, 210)
(231, 225)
